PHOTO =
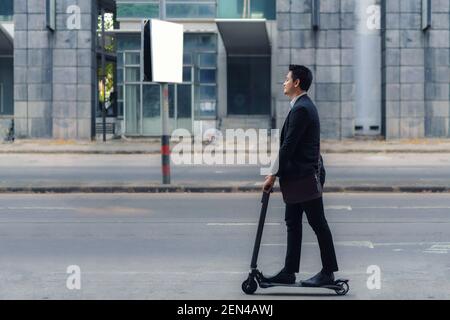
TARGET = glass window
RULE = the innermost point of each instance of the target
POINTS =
(247, 9)
(120, 108)
(191, 10)
(187, 74)
(203, 50)
(232, 8)
(119, 75)
(248, 85)
(187, 57)
(6, 10)
(189, 42)
(119, 59)
(137, 10)
(151, 105)
(207, 75)
(208, 108)
(184, 101)
(207, 92)
(200, 50)
(132, 74)
(200, 42)
(128, 42)
(207, 42)
(6, 86)
(1, 99)
(132, 58)
(263, 9)
(207, 60)
(133, 102)
(151, 102)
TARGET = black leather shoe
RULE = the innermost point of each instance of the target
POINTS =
(319, 280)
(282, 277)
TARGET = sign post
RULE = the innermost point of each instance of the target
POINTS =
(165, 138)
(162, 54)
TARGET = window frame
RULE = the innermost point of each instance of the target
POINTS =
(1, 100)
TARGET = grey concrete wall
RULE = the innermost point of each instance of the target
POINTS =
(53, 71)
(415, 65)
(416, 70)
(328, 52)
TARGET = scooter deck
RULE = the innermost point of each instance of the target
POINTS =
(300, 284)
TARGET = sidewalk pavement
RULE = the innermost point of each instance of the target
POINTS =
(152, 146)
(41, 166)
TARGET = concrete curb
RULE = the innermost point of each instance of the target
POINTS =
(214, 189)
(157, 150)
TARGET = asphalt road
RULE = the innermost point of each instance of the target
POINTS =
(198, 246)
(342, 170)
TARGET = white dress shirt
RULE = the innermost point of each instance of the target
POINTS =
(293, 101)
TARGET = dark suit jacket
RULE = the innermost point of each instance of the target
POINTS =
(300, 142)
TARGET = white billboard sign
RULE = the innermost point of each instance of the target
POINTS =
(162, 46)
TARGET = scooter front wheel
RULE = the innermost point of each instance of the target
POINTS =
(249, 286)
(344, 288)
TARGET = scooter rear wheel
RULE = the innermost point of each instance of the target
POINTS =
(249, 286)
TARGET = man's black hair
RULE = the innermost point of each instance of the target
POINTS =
(303, 74)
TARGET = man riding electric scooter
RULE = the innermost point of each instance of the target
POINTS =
(299, 167)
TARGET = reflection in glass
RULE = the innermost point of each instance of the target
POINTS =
(194, 10)
(263, 9)
(132, 74)
(6, 10)
(249, 85)
(133, 101)
(132, 58)
(207, 59)
(255, 9)
(207, 92)
(138, 10)
(187, 74)
(120, 75)
(151, 105)
(120, 59)
(184, 99)
(207, 76)
(128, 42)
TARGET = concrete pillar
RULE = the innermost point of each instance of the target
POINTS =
(367, 68)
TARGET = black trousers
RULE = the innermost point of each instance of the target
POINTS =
(316, 218)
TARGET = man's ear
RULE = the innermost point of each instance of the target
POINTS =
(297, 83)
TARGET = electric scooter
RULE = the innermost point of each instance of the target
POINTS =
(255, 277)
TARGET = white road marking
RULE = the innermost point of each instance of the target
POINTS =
(410, 244)
(435, 247)
(366, 244)
(347, 208)
(438, 248)
(38, 208)
(438, 252)
(351, 208)
(404, 207)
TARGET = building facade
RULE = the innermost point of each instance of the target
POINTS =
(381, 67)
